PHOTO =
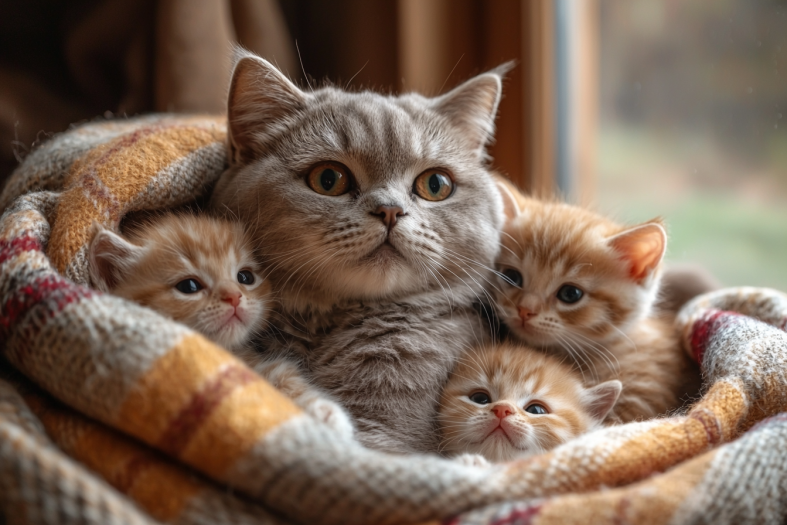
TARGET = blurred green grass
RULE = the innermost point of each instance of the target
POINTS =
(724, 214)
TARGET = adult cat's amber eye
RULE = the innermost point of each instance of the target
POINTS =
(329, 178)
(433, 185)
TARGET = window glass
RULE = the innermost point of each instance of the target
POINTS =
(693, 127)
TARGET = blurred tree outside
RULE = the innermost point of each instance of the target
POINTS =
(692, 128)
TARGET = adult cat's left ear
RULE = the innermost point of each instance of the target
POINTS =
(472, 106)
(600, 399)
(642, 247)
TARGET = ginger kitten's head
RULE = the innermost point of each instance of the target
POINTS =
(197, 270)
(362, 196)
(572, 278)
(508, 401)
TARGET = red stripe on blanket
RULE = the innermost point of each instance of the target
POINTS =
(51, 292)
(18, 245)
(202, 404)
(519, 516)
(710, 423)
(705, 327)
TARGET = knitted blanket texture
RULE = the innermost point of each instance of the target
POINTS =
(110, 413)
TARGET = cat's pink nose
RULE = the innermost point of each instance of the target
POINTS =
(231, 297)
(526, 314)
(389, 214)
(503, 411)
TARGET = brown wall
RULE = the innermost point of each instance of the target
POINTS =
(61, 64)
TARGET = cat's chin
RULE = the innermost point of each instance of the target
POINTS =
(498, 447)
(530, 335)
(384, 254)
(232, 335)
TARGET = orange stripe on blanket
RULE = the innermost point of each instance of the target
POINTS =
(651, 502)
(101, 185)
(171, 385)
(711, 422)
(162, 489)
(201, 404)
(243, 418)
(204, 402)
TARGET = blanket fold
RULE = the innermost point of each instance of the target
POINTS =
(168, 427)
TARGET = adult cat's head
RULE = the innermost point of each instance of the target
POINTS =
(362, 196)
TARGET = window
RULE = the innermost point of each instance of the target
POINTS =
(691, 126)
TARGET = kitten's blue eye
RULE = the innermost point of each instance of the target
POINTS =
(569, 294)
(482, 398)
(329, 178)
(433, 185)
(245, 277)
(188, 286)
(535, 408)
(513, 277)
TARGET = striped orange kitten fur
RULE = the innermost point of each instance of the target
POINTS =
(577, 284)
(197, 270)
(508, 401)
(201, 271)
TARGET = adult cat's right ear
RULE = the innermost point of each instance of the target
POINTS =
(110, 256)
(261, 100)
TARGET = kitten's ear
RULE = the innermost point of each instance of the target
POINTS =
(510, 205)
(472, 106)
(600, 399)
(110, 256)
(261, 99)
(642, 247)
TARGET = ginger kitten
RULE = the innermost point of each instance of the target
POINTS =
(508, 401)
(201, 271)
(577, 284)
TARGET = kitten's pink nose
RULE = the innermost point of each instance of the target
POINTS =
(526, 314)
(503, 410)
(231, 297)
(388, 214)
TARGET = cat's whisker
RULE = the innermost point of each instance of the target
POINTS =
(328, 257)
(503, 232)
(436, 274)
(472, 289)
(603, 352)
(577, 355)
(625, 336)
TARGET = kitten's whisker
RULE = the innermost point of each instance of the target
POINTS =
(603, 352)
(577, 355)
(633, 344)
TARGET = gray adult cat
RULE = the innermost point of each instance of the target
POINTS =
(376, 222)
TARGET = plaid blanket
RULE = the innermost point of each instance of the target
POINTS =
(110, 413)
